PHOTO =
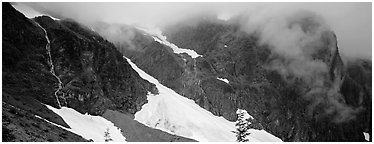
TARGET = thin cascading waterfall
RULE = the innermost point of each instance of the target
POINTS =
(50, 62)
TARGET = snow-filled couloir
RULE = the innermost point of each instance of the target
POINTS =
(156, 34)
(175, 114)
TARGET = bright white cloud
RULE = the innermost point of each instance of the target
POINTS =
(350, 21)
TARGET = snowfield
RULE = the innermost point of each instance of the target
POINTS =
(222, 79)
(175, 114)
(367, 136)
(88, 126)
(157, 36)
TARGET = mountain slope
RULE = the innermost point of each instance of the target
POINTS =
(312, 96)
(176, 114)
(291, 105)
(88, 126)
(63, 64)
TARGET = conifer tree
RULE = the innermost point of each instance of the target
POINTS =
(107, 135)
(241, 128)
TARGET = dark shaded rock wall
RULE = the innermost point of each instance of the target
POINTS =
(26, 78)
(95, 76)
(280, 103)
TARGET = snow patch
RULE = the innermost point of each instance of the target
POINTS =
(175, 114)
(222, 79)
(54, 18)
(88, 126)
(92, 29)
(224, 16)
(367, 136)
(53, 123)
(157, 36)
(246, 114)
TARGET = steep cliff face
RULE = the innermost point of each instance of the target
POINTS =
(94, 75)
(292, 106)
(64, 64)
(27, 80)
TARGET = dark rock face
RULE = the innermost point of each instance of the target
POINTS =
(26, 78)
(284, 106)
(320, 107)
(356, 89)
(95, 76)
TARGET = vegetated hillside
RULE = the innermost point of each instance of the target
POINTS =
(292, 107)
(94, 77)
(19, 125)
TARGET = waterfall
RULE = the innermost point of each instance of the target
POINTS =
(50, 62)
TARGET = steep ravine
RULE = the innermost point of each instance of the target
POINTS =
(52, 70)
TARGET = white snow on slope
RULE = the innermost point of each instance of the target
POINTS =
(258, 135)
(173, 113)
(29, 12)
(222, 79)
(367, 136)
(157, 36)
(88, 126)
(246, 114)
(53, 123)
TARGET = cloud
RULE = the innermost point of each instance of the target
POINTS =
(350, 21)
(119, 34)
(304, 46)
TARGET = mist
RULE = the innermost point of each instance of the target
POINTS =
(350, 21)
(293, 30)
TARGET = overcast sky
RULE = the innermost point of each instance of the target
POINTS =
(350, 21)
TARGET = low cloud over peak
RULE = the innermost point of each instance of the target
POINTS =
(351, 22)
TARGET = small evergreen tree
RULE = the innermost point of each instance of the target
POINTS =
(107, 135)
(241, 128)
